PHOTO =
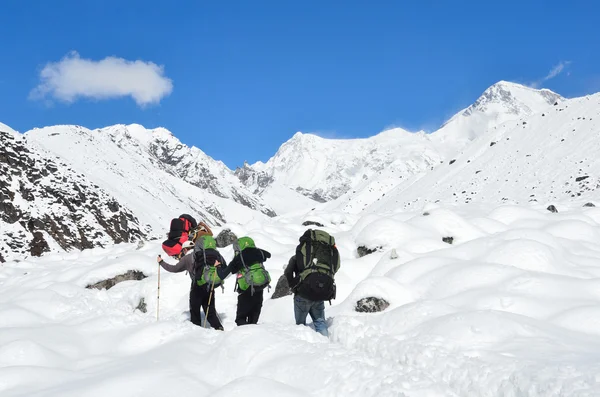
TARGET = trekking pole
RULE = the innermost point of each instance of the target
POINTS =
(158, 293)
(212, 289)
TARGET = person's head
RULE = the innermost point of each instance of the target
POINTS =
(186, 247)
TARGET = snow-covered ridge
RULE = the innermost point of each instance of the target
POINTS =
(547, 158)
(326, 169)
(46, 206)
(153, 173)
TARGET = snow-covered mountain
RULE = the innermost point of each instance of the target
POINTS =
(548, 157)
(502, 102)
(153, 173)
(325, 169)
(46, 206)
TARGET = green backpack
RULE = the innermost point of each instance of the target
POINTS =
(253, 276)
(205, 273)
(318, 261)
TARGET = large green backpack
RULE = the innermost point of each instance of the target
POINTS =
(318, 261)
(254, 275)
(205, 273)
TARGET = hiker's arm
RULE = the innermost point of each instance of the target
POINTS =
(289, 272)
(178, 267)
(222, 269)
(234, 266)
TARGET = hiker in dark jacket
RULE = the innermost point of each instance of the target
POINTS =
(252, 278)
(303, 305)
(311, 292)
(199, 295)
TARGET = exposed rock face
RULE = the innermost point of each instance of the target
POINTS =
(259, 180)
(552, 208)
(589, 205)
(45, 205)
(282, 288)
(111, 282)
(225, 238)
(371, 305)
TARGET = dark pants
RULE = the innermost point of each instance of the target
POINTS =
(248, 307)
(199, 298)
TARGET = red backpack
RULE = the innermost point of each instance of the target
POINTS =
(178, 234)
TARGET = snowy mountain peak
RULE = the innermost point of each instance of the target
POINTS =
(516, 99)
(500, 103)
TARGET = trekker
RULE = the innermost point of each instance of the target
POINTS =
(183, 228)
(252, 278)
(206, 267)
(311, 276)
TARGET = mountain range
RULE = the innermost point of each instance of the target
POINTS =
(513, 144)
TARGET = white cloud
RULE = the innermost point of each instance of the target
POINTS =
(555, 71)
(74, 77)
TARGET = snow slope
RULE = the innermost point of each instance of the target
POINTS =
(549, 157)
(511, 308)
(143, 168)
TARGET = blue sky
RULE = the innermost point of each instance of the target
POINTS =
(239, 78)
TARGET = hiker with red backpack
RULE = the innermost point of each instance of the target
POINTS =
(311, 276)
(183, 228)
(252, 278)
(207, 270)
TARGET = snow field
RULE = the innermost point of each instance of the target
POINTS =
(510, 308)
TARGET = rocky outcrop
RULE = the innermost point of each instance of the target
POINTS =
(448, 240)
(364, 251)
(142, 306)
(371, 305)
(282, 288)
(552, 209)
(45, 205)
(111, 282)
(256, 180)
(224, 238)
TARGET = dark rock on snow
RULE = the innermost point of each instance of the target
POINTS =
(552, 208)
(363, 251)
(282, 288)
(371, 305)
(225, 238)
(308, 223)
(448, 240)
(109, 283)
(142, 306)
(589, 205)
